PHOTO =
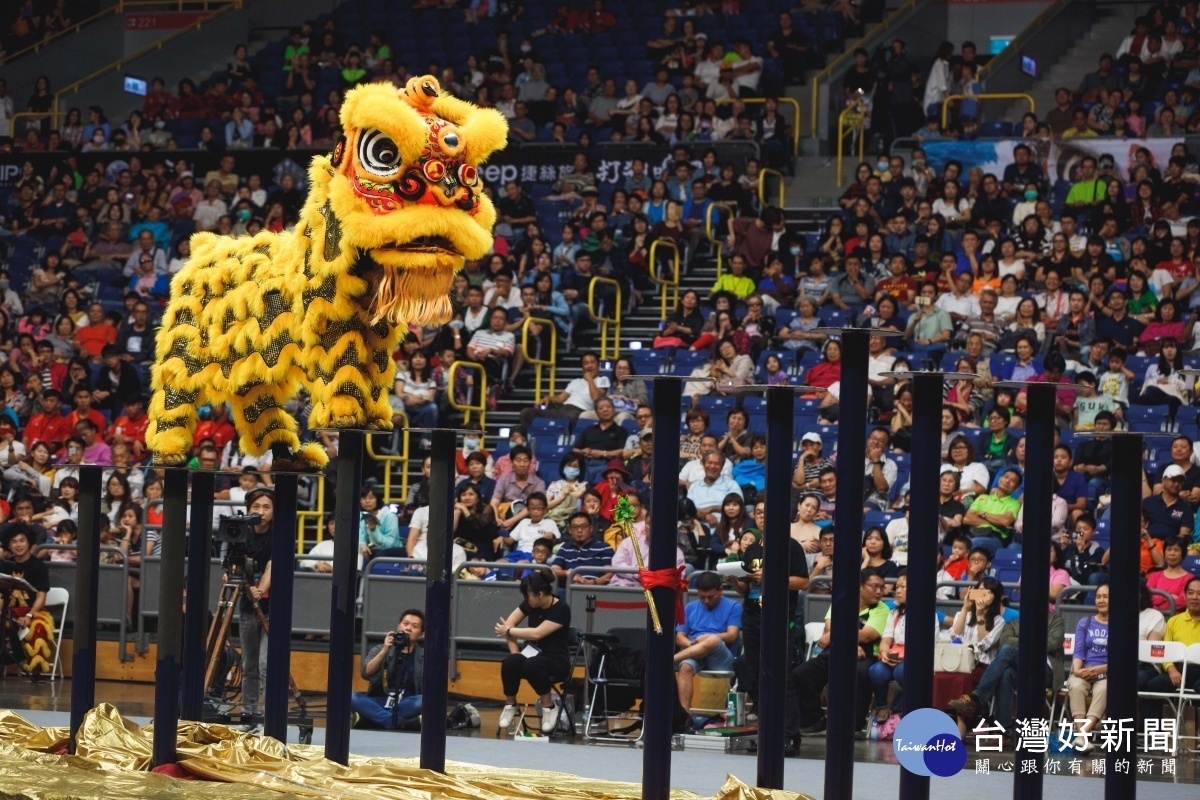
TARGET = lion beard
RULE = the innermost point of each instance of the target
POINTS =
(412, 296)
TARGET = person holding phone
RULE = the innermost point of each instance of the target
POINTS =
(890, 666)
(981, 618)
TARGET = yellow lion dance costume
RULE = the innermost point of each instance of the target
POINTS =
(391, 215)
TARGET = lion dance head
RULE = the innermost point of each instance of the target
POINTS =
(404, 187)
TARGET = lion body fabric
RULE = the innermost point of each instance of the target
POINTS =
(390, 216)
(254, 319)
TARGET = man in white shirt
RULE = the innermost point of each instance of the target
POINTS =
(580, 395)
(709, 492)
(747, 71)
(324, 550)
(210, 210)
(960, 304)
(146, 246)
(879, 470)
(694, 470)
(503, 293)
(7, 110)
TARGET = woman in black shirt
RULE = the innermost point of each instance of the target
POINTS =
(475, 522)
(537, 653)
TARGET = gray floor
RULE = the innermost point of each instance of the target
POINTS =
(702, 773)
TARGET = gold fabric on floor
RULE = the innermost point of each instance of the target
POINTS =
(113, 759)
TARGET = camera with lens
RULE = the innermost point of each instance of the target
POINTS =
(235, 533)
(400, 640)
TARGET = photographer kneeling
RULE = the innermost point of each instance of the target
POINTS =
(395, 670)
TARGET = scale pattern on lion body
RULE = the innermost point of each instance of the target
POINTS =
(322, 307)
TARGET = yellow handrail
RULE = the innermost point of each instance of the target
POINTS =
(671, 286)
(387, 459)
(986, 96)
(791, 100)
(718, 242)
(75, 27)
(317, 514)
(479, 408)
(539, 363)
(763, 172)
(116, 66)
(853, 118)
(604, 322)
(848, 53)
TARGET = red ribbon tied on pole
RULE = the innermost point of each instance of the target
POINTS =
(669, 578)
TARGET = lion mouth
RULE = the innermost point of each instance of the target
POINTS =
(426, 244)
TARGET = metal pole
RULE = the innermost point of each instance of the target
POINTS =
(195, 616)
(773, 640)
(348, 474)
(922, 565)
(170, 617)
(1035, 566)
(660, 695)
(87, 583)
(277, 689)
(435, 688)
(1124, 577)
(848, 521)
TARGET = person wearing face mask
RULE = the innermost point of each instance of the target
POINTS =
(242, 215)
(10, 300)
(471, 444)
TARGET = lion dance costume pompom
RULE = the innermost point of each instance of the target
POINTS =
(391, 215)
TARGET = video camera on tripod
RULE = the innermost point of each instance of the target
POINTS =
(235, 533)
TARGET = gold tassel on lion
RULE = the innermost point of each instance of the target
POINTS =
(114, 759)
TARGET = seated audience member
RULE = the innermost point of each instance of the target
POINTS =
(991, 516)
(580, 395)
(812, 676)
(711, 626)
(601, 442)
(709, 492)
(1172, 578)
(582, 550)
(516, 486)
(535, 527)
(1170, 515)
(395, 667)
(537, 652)
(1183, 627)
(1089, 667)
(1083, 558)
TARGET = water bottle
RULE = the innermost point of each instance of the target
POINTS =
(731, 709)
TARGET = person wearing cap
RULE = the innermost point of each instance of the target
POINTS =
(1170, 515)
(261, 503)
(614, 484)
(808, 468)
(709, 492)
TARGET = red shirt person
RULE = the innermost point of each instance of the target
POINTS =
(51, 426)
(130, 427)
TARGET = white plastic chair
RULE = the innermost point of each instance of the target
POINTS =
(1191, 664)
(1060, 693)
(1166, 653)
(58, 597)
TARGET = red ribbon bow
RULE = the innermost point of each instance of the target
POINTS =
(668, 578)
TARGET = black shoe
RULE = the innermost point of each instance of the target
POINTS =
(792, 748)
(815, 728)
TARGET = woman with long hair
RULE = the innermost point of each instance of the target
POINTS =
(1140, 301)
(116, 494)
(135, 544)
(1163, 385)
(682, 325)
(733, 521)
(877, 554)
(988, 276)
(833, 240)
(36, 470)
(1028, 321)
(857, 188)
(963, 398)
(538, 653)
(981, 619)
(890, 666)
(953, 207)
(475, 523)
(1060, 259)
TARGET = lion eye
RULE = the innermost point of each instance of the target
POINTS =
(378, 153)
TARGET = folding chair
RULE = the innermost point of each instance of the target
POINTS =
(1191, 664)
(1167, 653)
(598, 648)
(559, 689)
(58, 597)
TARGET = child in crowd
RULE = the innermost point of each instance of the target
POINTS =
(1088, 403)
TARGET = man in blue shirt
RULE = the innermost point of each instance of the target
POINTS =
(1069, 484)
(695, 211)
(711, 624)
(1120, 326)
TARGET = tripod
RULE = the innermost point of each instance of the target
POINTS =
(218, 634)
